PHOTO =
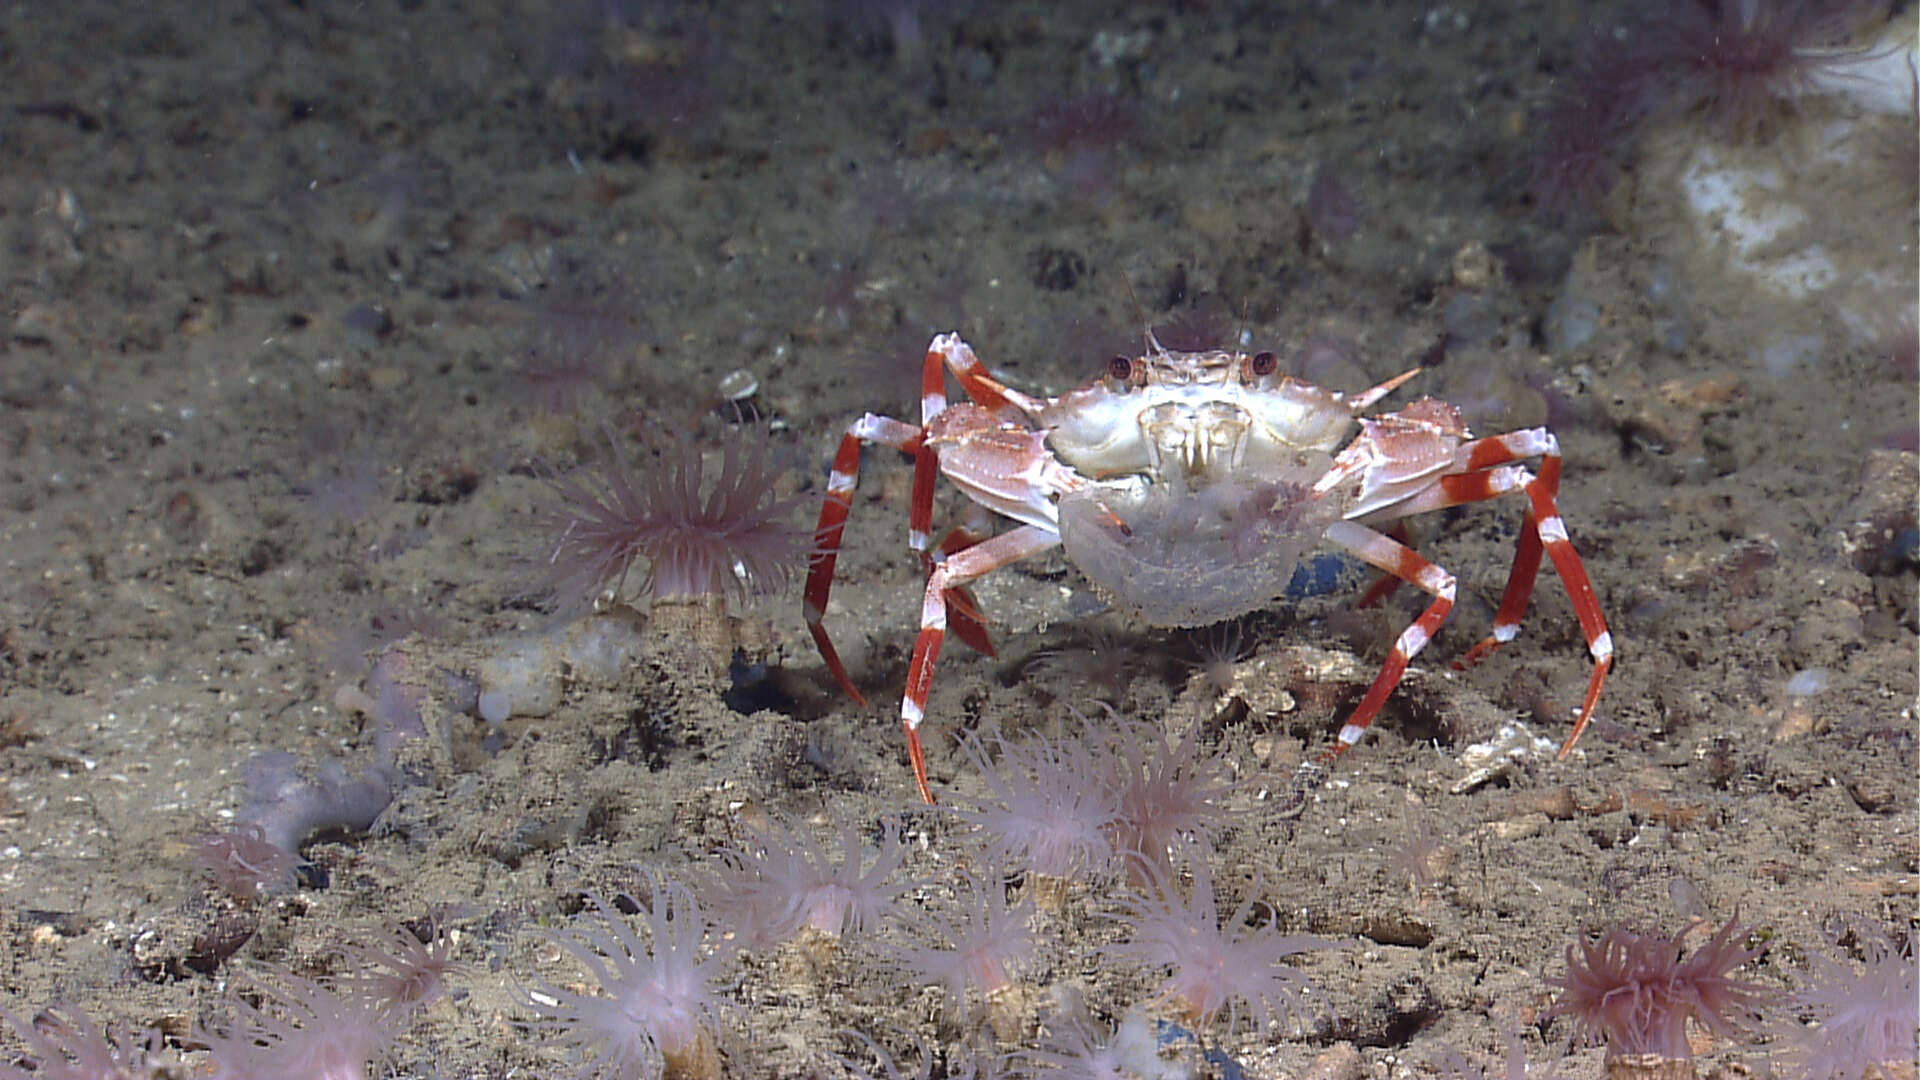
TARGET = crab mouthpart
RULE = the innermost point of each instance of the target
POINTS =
(1206, 441)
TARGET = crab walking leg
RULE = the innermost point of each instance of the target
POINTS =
(946, 352)
(968, 623)
(1378, 592)
(1451, 490)
(1514, 599)
(1542, 530)
(982, 389)
(952, 572)
(1477, 487)
(926, 463)
(963, 613)
(1404, 563)
(833, 523)
(1552, 532)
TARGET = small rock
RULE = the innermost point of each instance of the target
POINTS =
(1876, 794)
(1474, 267)
(1877, 530)
(366, 325)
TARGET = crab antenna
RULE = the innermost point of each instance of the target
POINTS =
(1366, 398)
(1146, 325)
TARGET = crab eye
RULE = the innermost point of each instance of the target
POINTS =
(1262, 364)
(1120, 369)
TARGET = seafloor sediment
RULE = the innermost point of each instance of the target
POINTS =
(307, 302)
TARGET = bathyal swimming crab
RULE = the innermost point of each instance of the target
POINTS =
(1187, 485)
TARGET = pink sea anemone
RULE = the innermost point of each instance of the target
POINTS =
(68, 1045)
(1050, 809)
(396, 968)
(1742, 59)
(1860, 1017)
(1076, 1048)
(301, 1028)
(731, 539)
(1590, 126)
(1635, 992)
(786, 881)
(1215, 966)
(656, 1006)
(988, 941)
(1742, 62)
(1166, 791)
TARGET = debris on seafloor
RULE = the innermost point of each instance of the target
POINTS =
(1496, 757)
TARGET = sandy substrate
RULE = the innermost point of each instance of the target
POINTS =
(302, 299)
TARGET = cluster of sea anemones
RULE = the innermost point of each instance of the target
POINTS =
(1115, 799)
(637, 987)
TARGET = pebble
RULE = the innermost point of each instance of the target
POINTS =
(1877, 530)
(1805, 684)
(366, 324)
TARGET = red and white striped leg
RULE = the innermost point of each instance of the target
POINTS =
(968, 624)
(1514, 599)
(948, 575)
(946, 351)
(963, 612)
(982, 389)
(1407, 565)
(1452, 490)
(926, 464)
(1378, 592)
(1462, 488)
(827, 534)
(1542, 531)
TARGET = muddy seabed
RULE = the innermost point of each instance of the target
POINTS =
(287, 286)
